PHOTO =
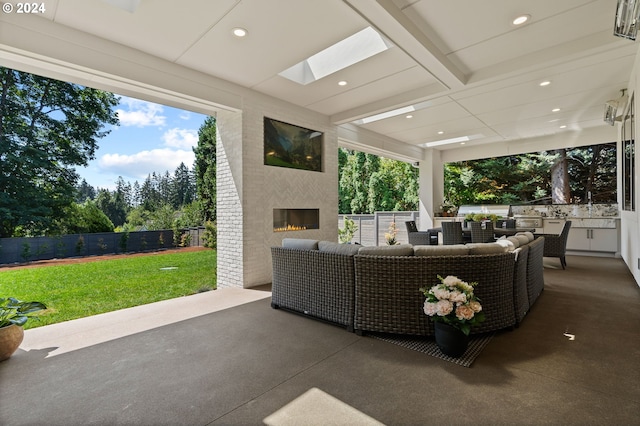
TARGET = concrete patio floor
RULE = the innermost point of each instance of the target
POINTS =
(84, 332)
(225, 357)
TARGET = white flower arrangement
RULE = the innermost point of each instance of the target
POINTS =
(453, 302)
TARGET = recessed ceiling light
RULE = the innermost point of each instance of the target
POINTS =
(555, 110)
(409, 116)
(441, 132)
(239, 32)
(342, 83)
(563, 127)
(462, 143)
(545, 83)
(521, 19)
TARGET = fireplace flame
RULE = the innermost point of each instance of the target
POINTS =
(289, 228)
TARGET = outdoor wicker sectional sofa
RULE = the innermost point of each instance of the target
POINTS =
(377, 288)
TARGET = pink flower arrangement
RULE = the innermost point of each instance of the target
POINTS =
(453, 302)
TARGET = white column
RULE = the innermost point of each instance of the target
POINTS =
(431, 186)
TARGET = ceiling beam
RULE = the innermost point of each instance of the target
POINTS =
(385, 16)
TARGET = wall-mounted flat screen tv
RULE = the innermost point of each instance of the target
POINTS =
(287, 145)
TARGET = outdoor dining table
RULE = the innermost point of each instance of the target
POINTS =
(498, 232)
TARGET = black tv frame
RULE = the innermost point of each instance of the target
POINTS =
(291, 146)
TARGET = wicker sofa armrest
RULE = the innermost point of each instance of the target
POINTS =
(535, 269)
(520, 293)
(315, 283)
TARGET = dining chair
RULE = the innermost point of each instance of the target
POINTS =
(555, 245)
(418, 238)
(482, 232)
(452, 233)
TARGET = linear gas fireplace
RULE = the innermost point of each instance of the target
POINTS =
(295, 219)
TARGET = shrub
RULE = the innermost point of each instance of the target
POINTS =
(80, 245)
(210, 236)
(346, 234)
(26, 251)
(124, 241)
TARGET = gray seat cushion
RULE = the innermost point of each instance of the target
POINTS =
(397, 250)
(486, 248)
(448, 250)
(336, 248)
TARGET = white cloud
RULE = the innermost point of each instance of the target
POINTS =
(141, 164)
(180, 138)
(140, 113)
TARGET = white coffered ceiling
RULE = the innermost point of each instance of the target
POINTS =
(472, 71)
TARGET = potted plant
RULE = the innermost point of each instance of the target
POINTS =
(345, 235)
(390, 236)
(13, 314)
(454, 309)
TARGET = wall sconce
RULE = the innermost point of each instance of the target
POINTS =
(611, 108)
(627, 19)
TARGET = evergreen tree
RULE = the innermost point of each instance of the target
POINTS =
(113, 205)
(205, 168)
(136, 195)
(183, 188)
(368, 183)
(85, 192)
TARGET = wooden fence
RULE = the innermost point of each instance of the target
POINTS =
(373, 227)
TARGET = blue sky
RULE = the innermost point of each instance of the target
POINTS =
(150, 138)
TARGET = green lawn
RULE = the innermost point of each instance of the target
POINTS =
(83, 289)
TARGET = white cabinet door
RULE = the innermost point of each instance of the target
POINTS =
(604, 240)
(593, 239)
(579, 239)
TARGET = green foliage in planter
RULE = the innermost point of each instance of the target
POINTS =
(479, 217)
(14, 311)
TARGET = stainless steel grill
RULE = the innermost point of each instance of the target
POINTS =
(529, 221)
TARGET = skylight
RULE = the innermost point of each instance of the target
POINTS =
(387, 114)
(461, 140)
(393, 113)
(353, 49)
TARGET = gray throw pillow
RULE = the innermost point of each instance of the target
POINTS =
(527, 234)
(523, 239)
(486, 248)
(506, 243)
(300, 243)
(514, 240)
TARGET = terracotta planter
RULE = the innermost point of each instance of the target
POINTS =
(10, 339)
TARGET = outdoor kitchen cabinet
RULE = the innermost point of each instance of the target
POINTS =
(553, 225)
(594, 235)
